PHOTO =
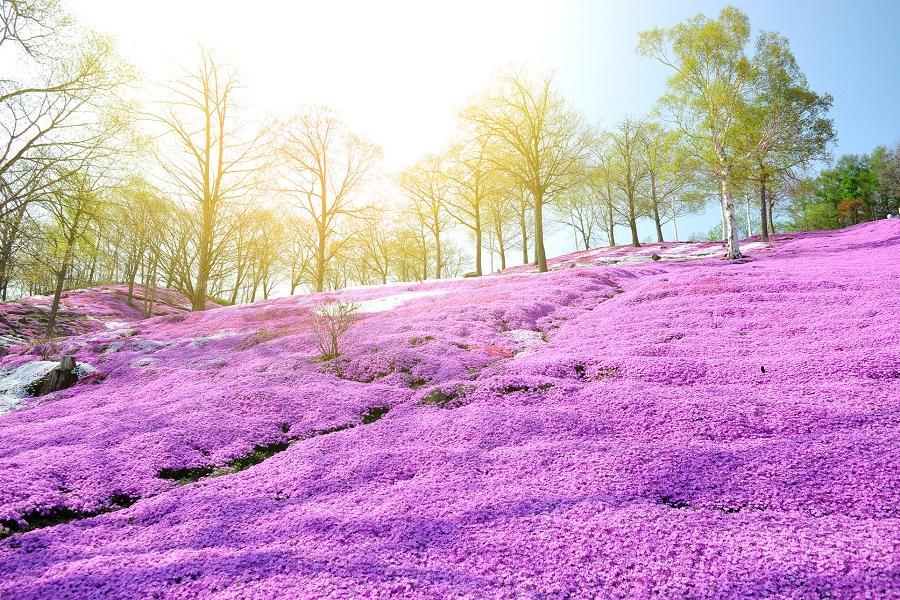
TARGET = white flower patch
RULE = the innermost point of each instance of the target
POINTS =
(393, 301)
(199, 342)
(755, 246)
(142, 362)
(529, 340)
(675, 251)
(7, 340)
(704, 252)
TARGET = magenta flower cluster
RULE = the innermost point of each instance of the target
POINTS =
(668, 428)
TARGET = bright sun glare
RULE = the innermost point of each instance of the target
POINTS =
(395, 71)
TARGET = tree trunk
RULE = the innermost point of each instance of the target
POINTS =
(6, 247)
(61, 276)
(501, 246)
(656, 218)
(612, 227)
(610, 211)
(111, 272)
(632, 222)
(132, 272)
(771, 213)
(198, 302)
(57, 294)
(150, 290)
(524, 225)
(170, 272)
(763, 211)
(130, 301)
(732, 249)
(477, 242)
(749, 220)
(539, 251)
(93, 270)
(437, 253)
(320, 258)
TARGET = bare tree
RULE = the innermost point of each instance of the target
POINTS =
(266, 251)
(501, 213)
(541, 141)
(375, 239)
(324, 166)
(301, 251)
(628, 170)
(473, 182)
(669, 174)
(58, 112)
(55, 116)
(206, 161)
(580, 210)
(601, 182)
(74, 209)
(428, 188)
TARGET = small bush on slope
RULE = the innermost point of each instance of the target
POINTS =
(330, 322)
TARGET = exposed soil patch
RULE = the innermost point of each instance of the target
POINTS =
(512, 389)
(671, 502)
(374, 414)
(59, 515)
(445, 398)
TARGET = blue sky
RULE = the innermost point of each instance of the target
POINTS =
(848, 49)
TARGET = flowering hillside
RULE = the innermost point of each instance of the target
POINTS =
(81, 311)
(686, 429)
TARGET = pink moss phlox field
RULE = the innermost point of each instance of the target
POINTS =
(82, 311)
(678, 428)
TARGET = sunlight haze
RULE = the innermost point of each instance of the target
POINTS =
(394, 70)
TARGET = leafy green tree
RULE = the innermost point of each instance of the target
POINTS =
(859, 187)
(707, 96)
(628, 170)
(786, 119)
(669, 174)
(885, 164)
(851, 177)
